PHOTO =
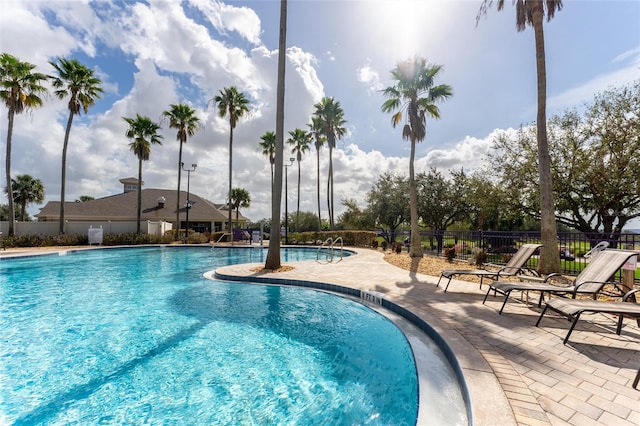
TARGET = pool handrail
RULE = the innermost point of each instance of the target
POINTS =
(330, 243)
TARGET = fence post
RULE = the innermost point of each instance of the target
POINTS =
(628, 274)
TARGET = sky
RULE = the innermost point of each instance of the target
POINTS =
(152, 54)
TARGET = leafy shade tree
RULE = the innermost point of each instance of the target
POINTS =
(387, 203)
(308, 221)
(272, 261)
(595, 164)
(182, 118)
(414, 90)
(143, 133)
(268, 145)
(26, 190)
(239, 198)
(299, 141)
(491, 206)
(234, 104)
(355, 217)
(85, 198)
(77, 82)
(442, 202)
(532, 13)
(329, 117)
(20, 87)
(315, 128)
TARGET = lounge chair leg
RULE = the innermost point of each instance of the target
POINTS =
(486, 295)
(439, 281)
(573, 325)
(637, 380)
(619, 326)
(447, 286)
(506, 297)
(541, 315)
(481, 278)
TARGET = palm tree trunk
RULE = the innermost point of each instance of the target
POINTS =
(415, 249)
(298, 209)
(318, 192)
(230, 169)
(139, 215)
(329, 192)
(63, 180)
(549, 259)
(330, 189)
(23, 206)
(177, 237)
(12, 214)
(273, 255)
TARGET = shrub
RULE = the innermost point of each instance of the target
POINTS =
(479, 257)
(450, 254)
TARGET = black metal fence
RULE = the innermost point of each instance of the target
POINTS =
(499, 246)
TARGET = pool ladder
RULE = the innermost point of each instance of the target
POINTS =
(220, 239)
(329, 249)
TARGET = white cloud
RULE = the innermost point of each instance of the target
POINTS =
(224, 17)
(629, 73)
(366, 74)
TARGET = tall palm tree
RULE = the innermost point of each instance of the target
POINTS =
(144, 133)
(268, 145)
(233, 103)
(273, 254)
(19, 89)
(414, 90)
(239, 198)
(330, 116)
(83, 88)
(299, 141)
(532, 12)
(26, 190)
(316, 131)
(183, 118)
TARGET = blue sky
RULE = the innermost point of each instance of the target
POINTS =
(153, 54)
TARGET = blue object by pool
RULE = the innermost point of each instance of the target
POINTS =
(138, 336)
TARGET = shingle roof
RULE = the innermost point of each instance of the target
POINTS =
(124, 207)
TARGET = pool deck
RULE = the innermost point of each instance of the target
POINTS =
(517, 374)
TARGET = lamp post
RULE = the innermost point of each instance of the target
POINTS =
(188, 203)
(286, 200)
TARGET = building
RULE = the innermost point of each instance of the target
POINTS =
(157, 205)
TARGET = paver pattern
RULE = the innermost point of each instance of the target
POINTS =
(516, 373)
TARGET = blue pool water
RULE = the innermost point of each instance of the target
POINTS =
(138, 336)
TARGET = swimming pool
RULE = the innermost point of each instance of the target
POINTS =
(138, 336)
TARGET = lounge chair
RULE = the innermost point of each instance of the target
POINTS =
(572, 309)
(590, 281)
(515, 266)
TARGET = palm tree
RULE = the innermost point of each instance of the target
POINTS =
(19, 89)
(273, 254)
(299, 141)
(83, 89)
(414, 90)
(183, 118)
(531, 12)
(239, 198)
(268, 145)
(316, 131)
(144, 133)
(26, 190)
(233, 103)
(330, 117)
